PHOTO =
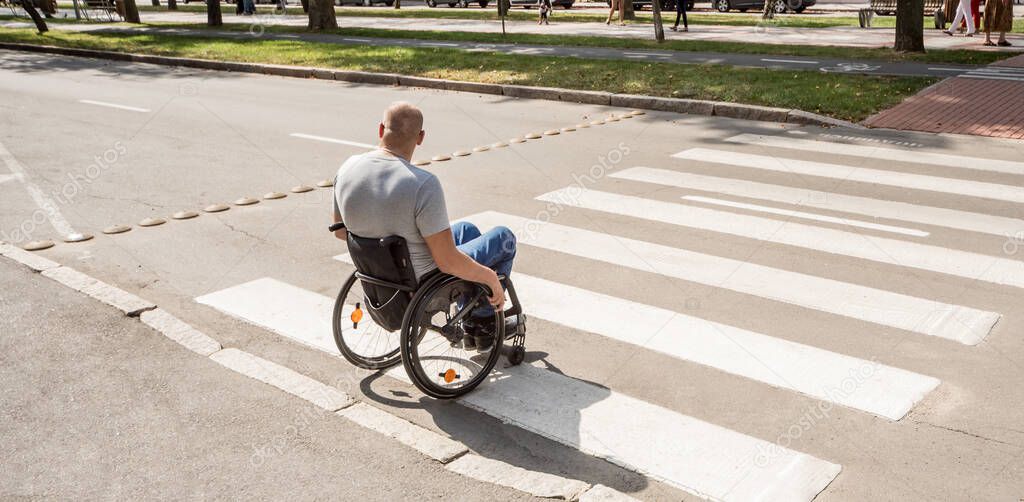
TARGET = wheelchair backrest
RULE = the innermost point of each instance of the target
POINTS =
(384, 260)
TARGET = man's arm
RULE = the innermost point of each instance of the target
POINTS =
(452, 261)
(341, 233)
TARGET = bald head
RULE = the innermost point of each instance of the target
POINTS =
(402, 126)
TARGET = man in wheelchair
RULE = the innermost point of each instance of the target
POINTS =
(380, 194)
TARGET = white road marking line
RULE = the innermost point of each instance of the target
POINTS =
(950, 69)
(963, 324)
(972, 266)
(884, 390)
(332, 140)
(114, 105)
(928, 215)
(808, 216)
(787, 61)
(857, 174)
(47, 205)
(991, 76)
(693, 455)
(875, 152)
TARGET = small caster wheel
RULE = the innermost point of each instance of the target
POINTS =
(516, 356)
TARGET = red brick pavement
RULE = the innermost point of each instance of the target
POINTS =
(962, 105)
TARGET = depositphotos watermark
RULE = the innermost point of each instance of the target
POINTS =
(66, 193)
(815, 414)
(569, 196)
(1013, 243)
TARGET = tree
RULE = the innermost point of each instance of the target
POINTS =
(909, 26)
(321, 15)
(172, 4)
(627, 10)
(213, 17)
(305, 6)
(156, 3)
(398, 4)
(659, 30)
(131, 12)
(30, 8)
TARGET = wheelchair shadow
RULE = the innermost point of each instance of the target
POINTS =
(528, 416)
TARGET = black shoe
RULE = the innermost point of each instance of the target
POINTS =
(482, 332)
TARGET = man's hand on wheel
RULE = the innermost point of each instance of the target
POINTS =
(497, 298)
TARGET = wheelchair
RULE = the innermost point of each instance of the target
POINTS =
(383, 315)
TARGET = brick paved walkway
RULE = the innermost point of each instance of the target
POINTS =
(990, 104)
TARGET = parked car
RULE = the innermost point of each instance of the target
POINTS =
(459, 3)
(779, 6)
(666, 5)
(367, 3)
(529, 4)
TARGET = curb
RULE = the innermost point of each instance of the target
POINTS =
(453, 455)
(688, 106)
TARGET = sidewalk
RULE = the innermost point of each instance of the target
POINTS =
(837, 36)
(964, 105)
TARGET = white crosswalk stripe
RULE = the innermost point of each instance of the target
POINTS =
(875, 152)
(696, 456)
(845, 173)
(882, 390)
(963, 324)
(972, 266)
(808, 216)
(928, 215)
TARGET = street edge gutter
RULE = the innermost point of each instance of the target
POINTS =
(452, 454)
(655, 103)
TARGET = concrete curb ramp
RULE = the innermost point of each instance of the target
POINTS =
(453, 454)
(689, 106)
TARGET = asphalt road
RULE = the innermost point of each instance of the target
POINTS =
(99, 406)
(828, 65)
(849, 296)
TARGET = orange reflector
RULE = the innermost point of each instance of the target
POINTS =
(449, 375)
(357, 315)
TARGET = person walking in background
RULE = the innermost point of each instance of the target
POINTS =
(998, 17)
(976, 14)
(617, 5)
(681, 11)
(963, 13)
(545, 11)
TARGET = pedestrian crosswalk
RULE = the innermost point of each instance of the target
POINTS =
(693, 454)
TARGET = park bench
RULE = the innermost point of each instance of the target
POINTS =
(106, 8)
(888, 8)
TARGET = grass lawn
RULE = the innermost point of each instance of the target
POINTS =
(878, 54)
(847, 97)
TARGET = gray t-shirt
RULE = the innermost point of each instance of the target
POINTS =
(380, 195)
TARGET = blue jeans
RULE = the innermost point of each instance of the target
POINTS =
(494, 249)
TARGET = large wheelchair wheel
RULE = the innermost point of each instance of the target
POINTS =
(433, 352)
(361, 341)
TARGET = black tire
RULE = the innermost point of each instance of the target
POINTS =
(438, 291)
(800, 9)
(743, 9)
(779, 6)
(390, 3)
(637, 7)
(482, 4)
(431, 3)
(567, 6)
(385, 358)
(452, 4)
(722, 5)
(464, 4)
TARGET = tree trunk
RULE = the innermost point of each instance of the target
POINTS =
(30, 8)
(213, 17)
(398, 4)
(156, 3)
(321, 15)
(909, 26)
(172, 4)
(659, 30)
(240, 7)
(305, 6)
(131, 12)
(627, 10)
